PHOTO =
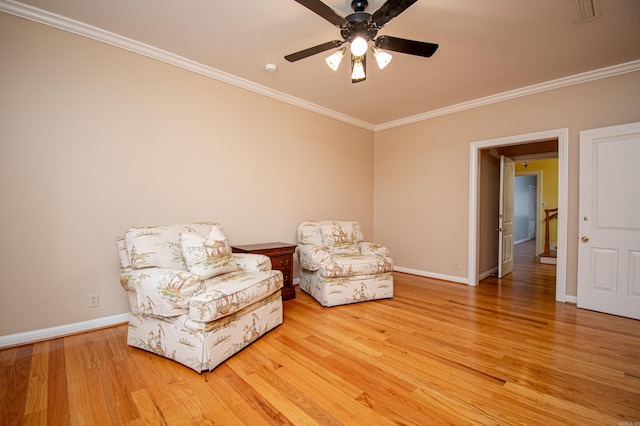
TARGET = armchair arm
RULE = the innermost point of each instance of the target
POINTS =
(164, 292)
(252, 262)
(127, 279)
(312, 256)
(373, 248)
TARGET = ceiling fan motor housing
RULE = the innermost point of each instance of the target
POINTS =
(359, 24)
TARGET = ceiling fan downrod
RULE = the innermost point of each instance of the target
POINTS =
(358, 23)
(359, 5)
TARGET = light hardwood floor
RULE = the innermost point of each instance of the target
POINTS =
(437, 353)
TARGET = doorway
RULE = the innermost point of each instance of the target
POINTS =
(534, 177)
(527, 206)
(560, 136)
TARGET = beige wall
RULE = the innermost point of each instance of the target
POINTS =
(421, 185)
(95, 139)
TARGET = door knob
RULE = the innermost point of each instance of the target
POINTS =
(584, 239)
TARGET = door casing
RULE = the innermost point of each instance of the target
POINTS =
(562, 136)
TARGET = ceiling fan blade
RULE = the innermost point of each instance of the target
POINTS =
(313, 50)
(411, 47)
(324, 11)
(390, 10)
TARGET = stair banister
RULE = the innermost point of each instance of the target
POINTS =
(549, 214)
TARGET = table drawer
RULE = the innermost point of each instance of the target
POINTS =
(281, 255)
(281, 263)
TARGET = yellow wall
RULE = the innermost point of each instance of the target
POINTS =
(96, 139)
(549, 194)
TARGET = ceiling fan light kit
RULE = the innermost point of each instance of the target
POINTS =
(334, 60)
(358, 68)
(359, 29)
(382, 58)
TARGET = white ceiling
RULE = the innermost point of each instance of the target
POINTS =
(486, 48)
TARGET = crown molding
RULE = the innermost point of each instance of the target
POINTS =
(38, 15)
(517, 93)
(61, 22)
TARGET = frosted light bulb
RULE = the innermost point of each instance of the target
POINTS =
(359, 46)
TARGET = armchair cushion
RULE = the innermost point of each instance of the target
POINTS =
(208, 256)
(373, 248)
(349, 266)
(312, 256)
(308, 234)
(159, 246)
(228, 293)
(340, 237)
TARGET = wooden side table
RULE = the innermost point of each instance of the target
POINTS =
(281, 255)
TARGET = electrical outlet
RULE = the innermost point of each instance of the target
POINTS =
(94, 300)
(456, 266)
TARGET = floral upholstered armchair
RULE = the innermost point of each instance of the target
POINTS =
(192, 299)
(337, 267)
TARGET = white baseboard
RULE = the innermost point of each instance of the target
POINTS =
(488, 273)
(63, 330)
(568, 299)
(67, 329)
(80, 327)
(515, 243)
(431, 275)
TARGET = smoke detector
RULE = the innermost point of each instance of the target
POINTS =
(271, 67)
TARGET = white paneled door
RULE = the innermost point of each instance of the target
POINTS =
(506, 216)
(609, 229)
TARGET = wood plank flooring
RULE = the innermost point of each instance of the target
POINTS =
(501, 353)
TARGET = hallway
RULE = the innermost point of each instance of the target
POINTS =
(530, 279)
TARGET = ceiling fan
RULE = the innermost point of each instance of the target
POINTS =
(360, 28)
